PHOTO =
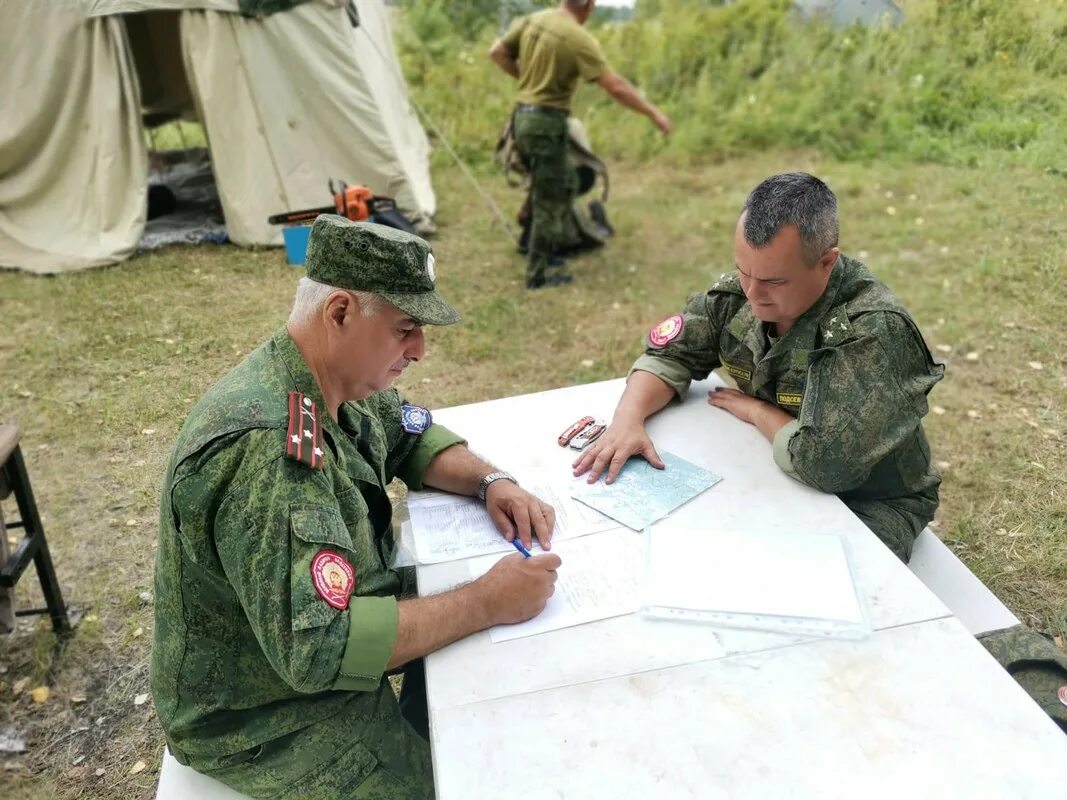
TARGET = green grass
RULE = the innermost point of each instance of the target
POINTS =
(101, 367)
(971, 82)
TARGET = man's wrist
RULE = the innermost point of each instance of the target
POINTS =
(491, 478)
(478, 604)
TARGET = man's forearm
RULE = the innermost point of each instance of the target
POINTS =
(770, 419)
(500, 56)
(624, 92)
(645, 394)
(426, 624)
(457, 470)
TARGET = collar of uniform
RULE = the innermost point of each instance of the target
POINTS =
(749, 331)
(301, 379)
(349, 414)
(801, 338)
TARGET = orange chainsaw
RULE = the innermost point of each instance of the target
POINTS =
(357, 203)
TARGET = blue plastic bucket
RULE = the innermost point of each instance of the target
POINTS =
(296, 243)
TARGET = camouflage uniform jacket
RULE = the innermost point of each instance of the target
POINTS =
(854, 373)
(246, 648)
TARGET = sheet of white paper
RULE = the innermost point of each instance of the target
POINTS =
(642, 494)
(599, 578)
(765, 576)
(448, 527)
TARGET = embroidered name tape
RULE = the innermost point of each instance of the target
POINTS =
(738, 372)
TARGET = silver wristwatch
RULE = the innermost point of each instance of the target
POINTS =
(483, 486)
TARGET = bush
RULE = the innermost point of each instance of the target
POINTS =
(971, 81)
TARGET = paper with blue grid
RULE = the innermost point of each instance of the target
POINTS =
(642, 494)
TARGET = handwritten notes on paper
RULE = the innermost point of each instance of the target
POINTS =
(449, 527)
(599, 578)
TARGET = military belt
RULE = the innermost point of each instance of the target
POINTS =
(559, 112)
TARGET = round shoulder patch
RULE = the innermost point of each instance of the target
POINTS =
(667, 331)
(333, 577)
(1062, 694)
(415, 419)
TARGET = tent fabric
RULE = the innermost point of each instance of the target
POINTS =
(296, 109)
(288, 101)
(107, 8)
(73, 163)
(258, 8)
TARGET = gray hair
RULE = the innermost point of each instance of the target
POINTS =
(310, 295)
(793, 198)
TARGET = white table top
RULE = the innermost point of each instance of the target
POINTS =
(636, 707)
(914, 712)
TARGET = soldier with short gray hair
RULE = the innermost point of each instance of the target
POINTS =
(277, 613)
(829, 365)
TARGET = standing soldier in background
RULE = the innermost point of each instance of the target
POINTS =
(548, 52)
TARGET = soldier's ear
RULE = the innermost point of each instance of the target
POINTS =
(829, 258)
(338, 306)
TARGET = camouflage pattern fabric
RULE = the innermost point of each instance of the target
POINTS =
(367, 257)
(854, 373)
(1036, 664)
(541, 137)
(263, 676)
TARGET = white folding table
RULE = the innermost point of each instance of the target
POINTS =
(642, 708)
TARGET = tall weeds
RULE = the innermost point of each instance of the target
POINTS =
(978, 82)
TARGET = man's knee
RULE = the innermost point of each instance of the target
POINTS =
(895, 530)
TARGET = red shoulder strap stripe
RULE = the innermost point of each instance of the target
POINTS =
(316, 440)
(292, 434)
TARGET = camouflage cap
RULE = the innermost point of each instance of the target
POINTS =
(366, 257)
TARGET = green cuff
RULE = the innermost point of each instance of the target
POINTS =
(670, 372)
(782, 457)
(431, 442)
(372, 623)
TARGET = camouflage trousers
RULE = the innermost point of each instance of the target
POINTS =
(897, 523)
(541, 137)
(349, 756)
(1036, 664)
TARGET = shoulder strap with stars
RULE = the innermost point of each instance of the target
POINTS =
(835, 327)
(303, 439)
(728, 283)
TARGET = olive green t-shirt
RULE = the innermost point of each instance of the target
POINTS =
(553, 52)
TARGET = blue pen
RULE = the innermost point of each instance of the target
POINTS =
(520, 547)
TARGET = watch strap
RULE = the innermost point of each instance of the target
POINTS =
(483, 485)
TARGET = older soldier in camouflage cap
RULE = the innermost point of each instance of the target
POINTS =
(277, 615)
(829, 365)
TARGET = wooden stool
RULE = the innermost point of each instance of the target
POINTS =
(14, 480)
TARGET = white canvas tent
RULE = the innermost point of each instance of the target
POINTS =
(288, 100)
